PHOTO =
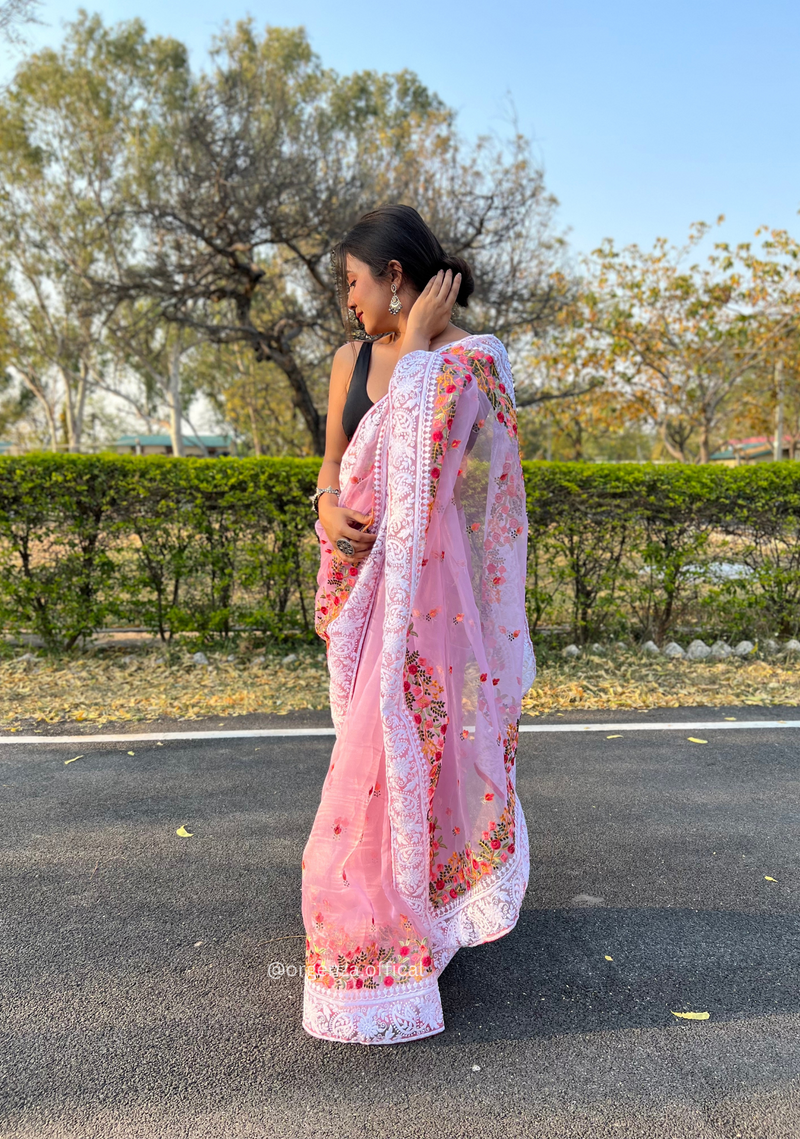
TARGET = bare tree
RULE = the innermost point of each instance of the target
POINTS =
(14, 15)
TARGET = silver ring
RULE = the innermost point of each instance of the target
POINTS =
(346, 546)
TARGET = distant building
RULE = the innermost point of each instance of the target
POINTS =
(756, 449)
(215, 445)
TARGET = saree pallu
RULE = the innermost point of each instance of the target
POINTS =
(419, 845)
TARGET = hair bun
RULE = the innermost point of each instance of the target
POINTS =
(459, 265)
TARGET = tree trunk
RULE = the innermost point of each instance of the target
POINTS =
(678, 453)
(777, 449)
(47, 407)
(705, 447)
(174, 400)
(75, 406)
(254, 428)
(577, 442)
(302, 400)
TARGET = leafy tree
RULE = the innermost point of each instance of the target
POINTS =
(684, 337)
(67, 123)
(240, 189)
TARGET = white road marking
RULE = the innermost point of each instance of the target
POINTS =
(283, 733)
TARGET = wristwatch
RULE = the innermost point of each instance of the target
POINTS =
(315, 497)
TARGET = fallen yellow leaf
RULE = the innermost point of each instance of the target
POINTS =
(768, 879)
(159, 744)
(695, 740)
(607, 957)
(182, 831)
(691, 1015)
(730, 717)
(617, 737)
(66, 761)
(131, 753)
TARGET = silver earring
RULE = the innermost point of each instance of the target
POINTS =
(394, 304)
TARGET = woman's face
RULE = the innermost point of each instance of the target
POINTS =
(368, 298)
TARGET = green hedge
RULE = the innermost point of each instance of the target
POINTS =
(172, 544)
(213, 546)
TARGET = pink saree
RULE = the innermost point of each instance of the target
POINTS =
(419, 845)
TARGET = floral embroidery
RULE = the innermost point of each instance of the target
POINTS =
(333, 593)
(485, 371)
(394, 956)
(452, 379)
(506, 516)
(464, 868)
(423, 696)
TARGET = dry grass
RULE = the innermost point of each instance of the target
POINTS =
(632, 680)
(101, 689)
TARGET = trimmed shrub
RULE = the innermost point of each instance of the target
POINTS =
(213, 546)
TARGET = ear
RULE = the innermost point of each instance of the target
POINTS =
(395, 271)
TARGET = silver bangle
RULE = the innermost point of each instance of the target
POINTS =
(318, 493)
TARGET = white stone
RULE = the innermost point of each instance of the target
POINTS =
(792, 646)
(570, 651)
(200, 658)
(743, 648)
(597, 647)
(25, 657)
(129, 660)
(232, 656)
(288, 659)
(619, 644)
(771, 646)
(650, 647)
(673, 649)
(698, 650)
(720, 650)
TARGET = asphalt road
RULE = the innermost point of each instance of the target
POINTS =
(136, 998)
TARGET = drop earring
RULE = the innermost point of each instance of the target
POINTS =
(395, 305)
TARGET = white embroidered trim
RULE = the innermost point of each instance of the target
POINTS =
(406, 483)
(491, 908)
(353, 1018)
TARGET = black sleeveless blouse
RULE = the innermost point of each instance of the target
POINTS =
(358, 402)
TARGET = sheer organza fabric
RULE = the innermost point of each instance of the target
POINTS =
(419, 845)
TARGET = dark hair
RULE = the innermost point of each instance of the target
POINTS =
(397, 233)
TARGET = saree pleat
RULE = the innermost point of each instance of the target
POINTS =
(419, 845)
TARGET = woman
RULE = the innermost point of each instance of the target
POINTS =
(419, 845)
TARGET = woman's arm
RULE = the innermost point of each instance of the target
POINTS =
(335, 438)
(430, 312)
(335, 519)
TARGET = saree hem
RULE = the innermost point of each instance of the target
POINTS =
(372, 1020)
(476, 920)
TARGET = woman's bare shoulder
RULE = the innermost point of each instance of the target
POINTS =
(344, 359)
(348, 352)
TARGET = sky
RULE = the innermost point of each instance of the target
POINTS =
(644, 117)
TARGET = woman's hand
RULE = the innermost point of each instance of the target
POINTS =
(430, 312)
(336, 522)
